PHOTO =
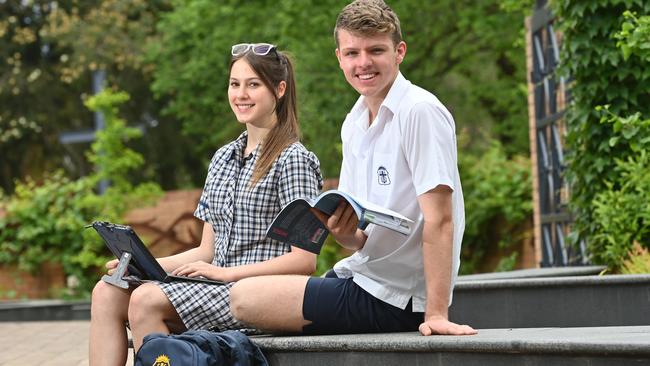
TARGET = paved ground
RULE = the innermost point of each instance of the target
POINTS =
(45, 343)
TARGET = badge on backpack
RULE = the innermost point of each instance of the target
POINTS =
(162, 360)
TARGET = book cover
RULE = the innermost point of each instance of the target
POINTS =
(298, 226)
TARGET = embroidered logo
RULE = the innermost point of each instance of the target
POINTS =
(162, 360)
(382, 176)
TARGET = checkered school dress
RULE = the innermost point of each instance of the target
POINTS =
(240, 216)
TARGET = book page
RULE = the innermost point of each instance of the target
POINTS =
(374, 207)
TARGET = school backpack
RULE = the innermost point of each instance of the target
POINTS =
(199, 348)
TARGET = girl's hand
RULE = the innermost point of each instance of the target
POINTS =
(111, 266)
(203, 269)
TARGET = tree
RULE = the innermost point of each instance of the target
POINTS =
(48, 51)
(31, 93)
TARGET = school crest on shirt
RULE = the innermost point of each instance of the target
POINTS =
(382, 176)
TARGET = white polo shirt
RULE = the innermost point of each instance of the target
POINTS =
(409, 149)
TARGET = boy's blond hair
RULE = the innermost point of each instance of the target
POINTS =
(369, 18)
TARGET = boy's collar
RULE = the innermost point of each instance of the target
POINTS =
(391, 101)
(395, 94)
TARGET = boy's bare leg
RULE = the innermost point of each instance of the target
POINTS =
(272, 303)
(108, 314)
(151, 312)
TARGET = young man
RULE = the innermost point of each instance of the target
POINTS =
(399, 151)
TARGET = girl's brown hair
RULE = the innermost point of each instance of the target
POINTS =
(272, 69)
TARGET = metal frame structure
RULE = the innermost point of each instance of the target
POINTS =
(550, 98)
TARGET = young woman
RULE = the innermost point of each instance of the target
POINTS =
(249, 180)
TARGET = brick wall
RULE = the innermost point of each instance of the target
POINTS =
(16, 284)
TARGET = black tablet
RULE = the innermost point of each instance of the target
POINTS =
(122, 239)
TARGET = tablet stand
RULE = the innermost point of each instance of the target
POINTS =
(116, 278)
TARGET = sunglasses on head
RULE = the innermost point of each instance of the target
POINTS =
(260, 49)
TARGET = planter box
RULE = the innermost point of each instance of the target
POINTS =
(17, 284)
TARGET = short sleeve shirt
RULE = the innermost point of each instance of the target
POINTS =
(409, 149)
(240, 213)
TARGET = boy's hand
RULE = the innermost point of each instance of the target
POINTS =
(442, 326)
(342, 224)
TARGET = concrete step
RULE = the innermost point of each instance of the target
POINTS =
(577, 301)
(533, 346)
(44, 310)
(535, 273)
(517, 299)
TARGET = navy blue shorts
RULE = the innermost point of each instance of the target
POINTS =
(339, 306)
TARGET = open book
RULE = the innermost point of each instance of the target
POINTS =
(298, 226)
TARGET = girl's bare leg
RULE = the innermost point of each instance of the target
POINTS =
(151, 312)
(108, 313)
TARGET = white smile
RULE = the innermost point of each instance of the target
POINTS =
(244, 107)
(368, 76)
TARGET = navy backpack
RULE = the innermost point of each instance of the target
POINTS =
(199, 348)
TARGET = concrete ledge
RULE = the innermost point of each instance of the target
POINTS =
(537, 282)
(535, 273)
(628, 341)
(585, 301)
(491, 347)
(41, 310)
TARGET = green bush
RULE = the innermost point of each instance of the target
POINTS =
(602, 74)
(622, 211)
(329, 255)
(498, 204)
(45, 220)
(638, 261)
(634, 36)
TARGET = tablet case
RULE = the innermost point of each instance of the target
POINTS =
(125, 244)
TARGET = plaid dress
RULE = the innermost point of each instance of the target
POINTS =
(239, 216)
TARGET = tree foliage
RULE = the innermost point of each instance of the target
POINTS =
(622, 209)
(30, 92)
(498, 205)
(48, 51)
(634, 35)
